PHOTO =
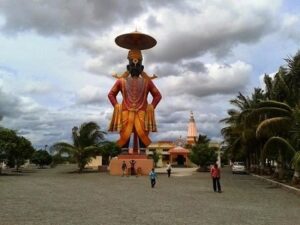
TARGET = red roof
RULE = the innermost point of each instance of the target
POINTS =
(179, 149)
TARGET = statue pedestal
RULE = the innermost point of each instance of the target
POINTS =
(142, 165)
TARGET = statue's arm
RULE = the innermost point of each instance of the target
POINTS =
(155, 94)
(112, 95)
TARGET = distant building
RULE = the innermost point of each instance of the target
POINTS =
(162, 149)
(192, 133)
(175, 152)
(169, 151)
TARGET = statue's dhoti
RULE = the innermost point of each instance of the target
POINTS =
(130, 121)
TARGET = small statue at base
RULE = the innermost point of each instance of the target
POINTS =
(132, 168)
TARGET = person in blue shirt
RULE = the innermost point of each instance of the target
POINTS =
(153, 177)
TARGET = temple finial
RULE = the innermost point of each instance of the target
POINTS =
(192, 130)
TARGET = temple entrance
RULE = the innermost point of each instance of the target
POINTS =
(179, 156)
(180, 160)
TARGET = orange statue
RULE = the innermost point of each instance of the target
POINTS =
(134, 115)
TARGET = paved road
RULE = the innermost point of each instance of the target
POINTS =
(54, 196)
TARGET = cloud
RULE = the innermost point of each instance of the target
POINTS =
(207, 27)
(289, 26)
(169, 69)
(10, 106)
(37, 88)
(48, 126)
(58, 17)
(152, 21)
(91, 95)
(219, 79)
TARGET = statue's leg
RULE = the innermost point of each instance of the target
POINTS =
(125, 133)
(135, 142)
(125, 148)
(142, 147)
(139, 124)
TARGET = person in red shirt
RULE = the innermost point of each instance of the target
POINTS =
(215, 175)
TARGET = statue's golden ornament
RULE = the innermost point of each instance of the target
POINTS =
(126, 74)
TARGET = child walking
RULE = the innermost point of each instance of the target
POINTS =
(153, 177)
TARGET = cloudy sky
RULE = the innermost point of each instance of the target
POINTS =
(57, 58)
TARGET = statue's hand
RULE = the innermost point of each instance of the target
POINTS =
(115, 75)
(153, 77)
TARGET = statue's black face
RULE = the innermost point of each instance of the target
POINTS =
(135, 69)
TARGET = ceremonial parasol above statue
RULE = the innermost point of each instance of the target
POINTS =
(135, 40)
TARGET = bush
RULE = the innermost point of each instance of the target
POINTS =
(41, 158)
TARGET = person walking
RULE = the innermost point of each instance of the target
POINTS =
(153, 177)
(169, 168)
(124, 168)
(215, 175)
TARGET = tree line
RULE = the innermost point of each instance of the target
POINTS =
(263, 129)
(88, 142)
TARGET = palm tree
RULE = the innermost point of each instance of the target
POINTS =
(276, 120)
(267, 119)
(109, 150)
(233, 131)
(296, 164)
(239, 136)
(284, 87)
(293, 79)
(155, 157)
(281, 150)
(86, 144)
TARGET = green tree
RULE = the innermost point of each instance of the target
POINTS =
(239, 137)
(203, 155)
(278, 148)
(266, 118)
(109, 150)
(276, 120)
(87, 143)
(155, 157)
(16, 148)
(41, 158)
(293, 79)
(59, 159)
(8, 142)
(202, 139)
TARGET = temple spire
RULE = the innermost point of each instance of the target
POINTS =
(192, 130)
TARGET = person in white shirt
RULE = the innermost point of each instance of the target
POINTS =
(169, 168)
